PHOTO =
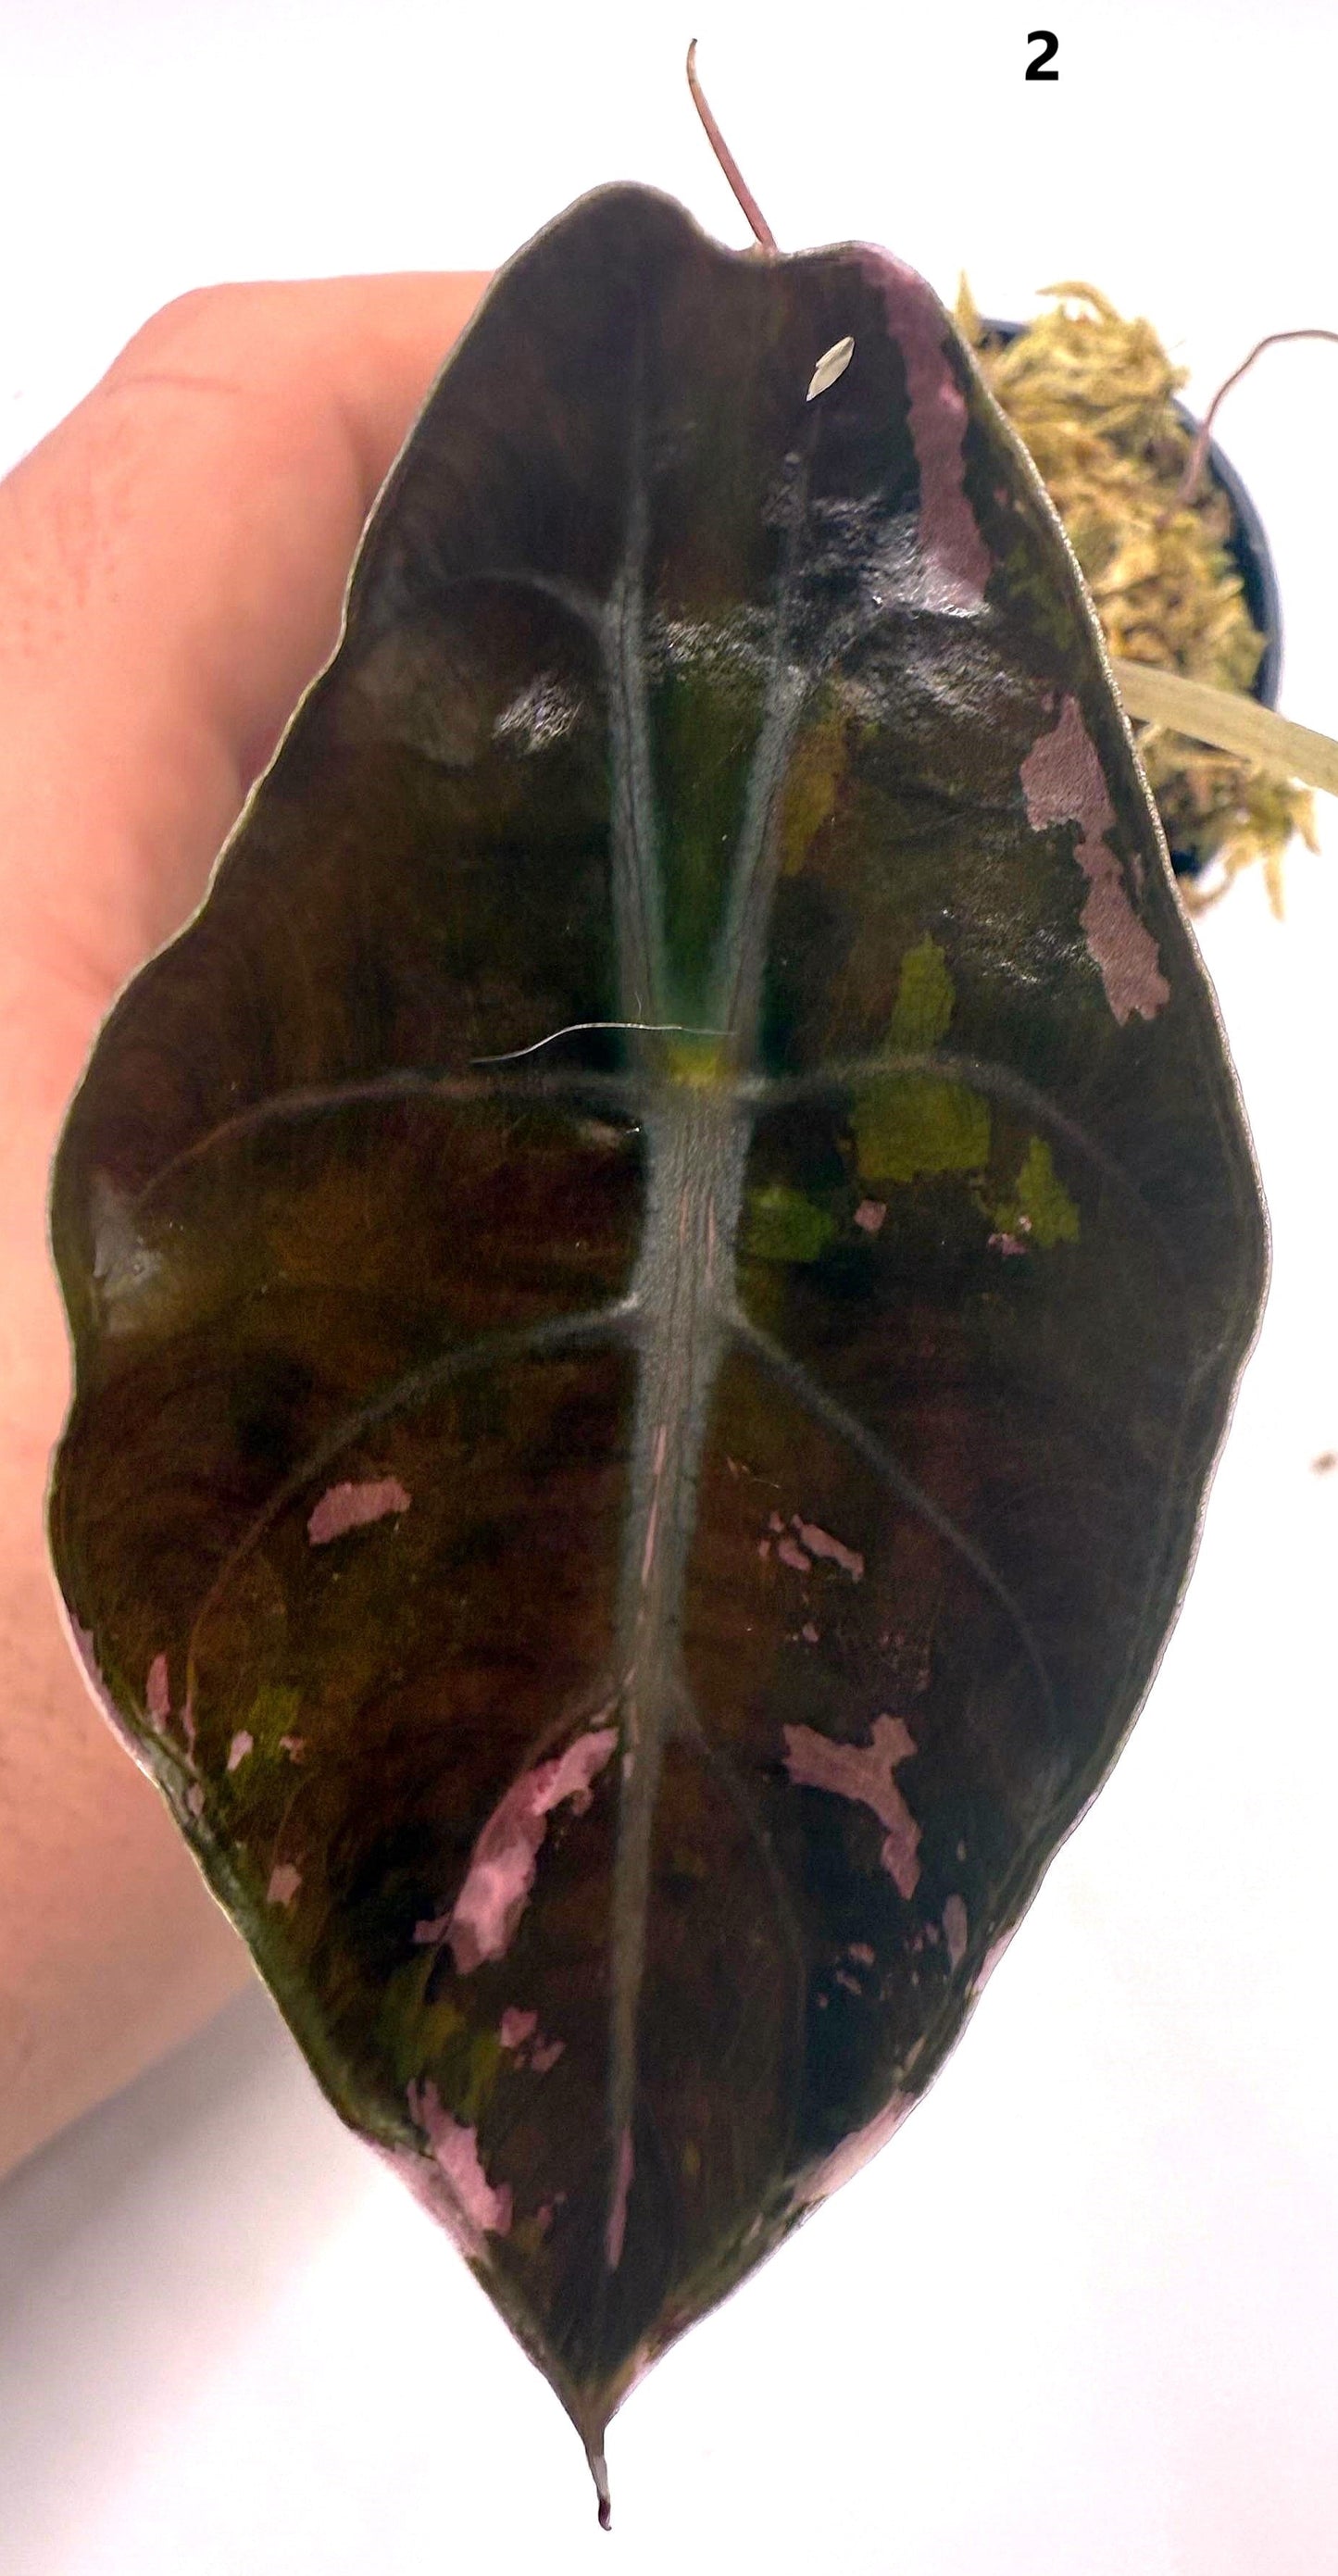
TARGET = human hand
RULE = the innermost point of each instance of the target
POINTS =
(172, 565)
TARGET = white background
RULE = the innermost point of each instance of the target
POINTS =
(1081, 2319)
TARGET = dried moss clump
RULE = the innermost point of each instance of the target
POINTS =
(1093, 399)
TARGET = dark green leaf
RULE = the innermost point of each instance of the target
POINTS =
(625, 1551)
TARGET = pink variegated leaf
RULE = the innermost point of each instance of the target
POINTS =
(626, 1550)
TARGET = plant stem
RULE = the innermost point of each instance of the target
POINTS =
(1193, 473)
(725, 157)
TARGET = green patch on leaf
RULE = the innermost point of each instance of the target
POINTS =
(813, 786)
(922, 1012)
(485, 2058)
(414, 2034)
(1040, 1208)
(274, 1712)
(783, 1225)
(912, 1123)
(432, 2041)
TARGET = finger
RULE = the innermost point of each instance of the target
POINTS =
(111, 1948)
(172, 563)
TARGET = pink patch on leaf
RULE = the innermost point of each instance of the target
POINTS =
(284, 1882)
(869, 1215)
(517, 2026)
(348, 1507)
(793, 1556)
(545, 2053)
(486, 2208)
(955, 1929)
(820, 1543)
(241, 1745)
(823, 2179)
(860, 1952)
(502, 1869)
(157, 1692)
(864, 1773)
(195, 1800)
(950, 536)
(293, 1745)
(616, 2229)
(991, 1959)
(1062, 782)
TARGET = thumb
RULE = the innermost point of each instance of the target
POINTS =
(172, 563)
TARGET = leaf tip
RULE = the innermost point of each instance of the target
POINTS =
(594, 2452)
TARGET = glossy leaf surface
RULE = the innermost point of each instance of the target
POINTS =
(626, 1550)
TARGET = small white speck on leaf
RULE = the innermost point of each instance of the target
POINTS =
(831, 364)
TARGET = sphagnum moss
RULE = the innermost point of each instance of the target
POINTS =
(1092, 397)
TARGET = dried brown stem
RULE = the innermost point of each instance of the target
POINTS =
(1193, 474)
(757, 220)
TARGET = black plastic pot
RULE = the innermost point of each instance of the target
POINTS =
(1248, 548)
